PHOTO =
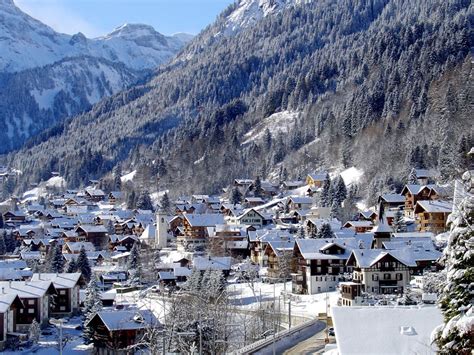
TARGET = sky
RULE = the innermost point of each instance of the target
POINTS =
(99, 17)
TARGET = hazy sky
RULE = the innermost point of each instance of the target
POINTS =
(98, 17)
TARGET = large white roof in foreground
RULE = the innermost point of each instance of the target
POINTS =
(385, 330)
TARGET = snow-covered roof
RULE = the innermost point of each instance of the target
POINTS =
(26, 289)
(127, 320)
(357, 224)
(300, 200)
(434, 206)
(6, 300)
(393, 198)
(212, 263)
(414, 189)
(281, 246)
(413, 235)
(13, 264)
(321, 176)
(385, 330)
(76, 246)
(88, 228)
(60, 281)
(204, 220)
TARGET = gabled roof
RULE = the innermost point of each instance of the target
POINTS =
(76, 246)
(204, 220)
(212, 263)
(368, 257)
(60, 281)
(89, 228)
(356, 224)
(281, 246)
(300, 200)
(412, 189)
(126, 320)
(313, 249)
(392, 198)
(321, 176)
(434, 206)
(7, 299)
(28, 289)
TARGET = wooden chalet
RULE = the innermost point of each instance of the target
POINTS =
(115, 331)
(10, 303)
(431, 216)
(316, 179)
(96, 234)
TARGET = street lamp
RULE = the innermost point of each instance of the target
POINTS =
(59, 323)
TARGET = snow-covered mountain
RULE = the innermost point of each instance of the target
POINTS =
(27, 43)
(46, 76)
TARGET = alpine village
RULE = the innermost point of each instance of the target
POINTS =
(297, 178)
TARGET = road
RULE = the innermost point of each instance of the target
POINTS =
(312, 345)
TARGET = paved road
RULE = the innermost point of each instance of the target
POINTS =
(312, 345)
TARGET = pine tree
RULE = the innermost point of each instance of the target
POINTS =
(131, 200)
(92, 305)
(34, 331)
(325, 231)
(165, 203)
(117, 175)
(72, 266)
(447, 162)
(3, 247)
(10, 241)
(1, 221)
(399, 223)
(57, 262)
(326, 192)
(134, 257)
(457, 297)
(144, 201)
(236, 196)
(300, 233)
(83, 266)
(193, 282)
(335, 209)
(258, 191)
(412, 179)
(339, 190)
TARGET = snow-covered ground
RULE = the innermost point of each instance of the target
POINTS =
(128, 177)
(351, 175)
(276, 123)
(39, 191)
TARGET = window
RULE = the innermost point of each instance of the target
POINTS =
(62, 292)
(318, 269)
(387, 264)
(318, 262)
(62, 308)
(31, 310)
(399, 277)
(386, 276)
(31, 302)
(375, 277)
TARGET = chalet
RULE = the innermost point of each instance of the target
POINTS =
(413, 194)
(14, 217)
(424, 176)
(253, 201)
(389, 201)
(279, 255)
(215, 263)
(382, 233)
(252, 217)
(66, 301)
(14, 270)
(35, 296)
(97, 235)
(268, 189)
(312, 225)
(316, 179)
(125, 241)
(431, 216)
(226, 239)
(380, 271)
(109, 278)
(292, 185)
(94, 195)
(359, 226)
(115, 197)
(319, 264)
(243, 183)
(75, 247)
(368, 216)
(10, 303)
(299, 203)
(351, 294)
(258, 241)
(115, 331)
(196, 230)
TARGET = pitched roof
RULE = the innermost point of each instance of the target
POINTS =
(434, 206)
(27, 289)
(212, 263)
(127, 320)
(63, 280)
(204, 220)
(7, 299)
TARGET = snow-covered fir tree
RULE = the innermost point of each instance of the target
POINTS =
(3, 247)
(412, 179)
(325, 231)
(71, 266)
(57, 262)
(165, 203)
(92, 305)
(235, 196)
(83, 266)
(258, 191)
(457, 298)
(144, 201)
(325, 197)
(399, 224)
(34, 331)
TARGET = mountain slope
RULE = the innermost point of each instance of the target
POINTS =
(64, 75)
(363, 79)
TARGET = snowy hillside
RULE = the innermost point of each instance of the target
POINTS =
(64, 75)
